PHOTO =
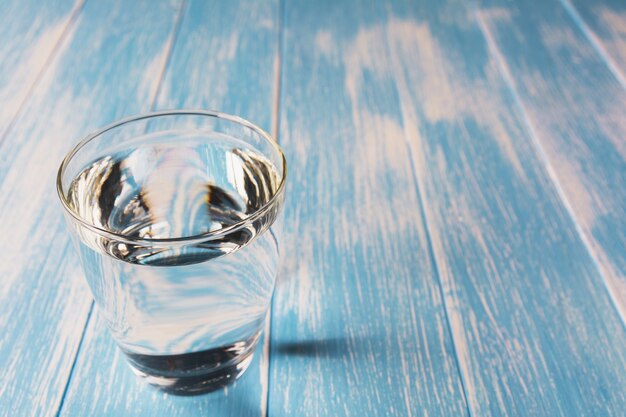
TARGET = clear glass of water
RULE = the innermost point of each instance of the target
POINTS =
(176, 218)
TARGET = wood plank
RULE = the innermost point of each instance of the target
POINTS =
(576, 109)
(29, 34)
(111, 59)
(535, 329)
(359, 327)
(603, 23)
(224, 58)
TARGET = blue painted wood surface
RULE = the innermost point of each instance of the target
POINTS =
(103, 69)
(30, 32)
(603, 22)
(533, 325)
(574, 105)
(358, 321)
(455, 217)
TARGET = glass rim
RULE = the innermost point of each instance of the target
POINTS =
(210, 235)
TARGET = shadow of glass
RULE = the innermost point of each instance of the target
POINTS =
(332, 347)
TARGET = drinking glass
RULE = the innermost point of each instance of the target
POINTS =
(176, 219)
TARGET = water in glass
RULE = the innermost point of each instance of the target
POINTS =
(181, 311)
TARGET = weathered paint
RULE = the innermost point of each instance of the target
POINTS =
(94, 77)
(455, 213)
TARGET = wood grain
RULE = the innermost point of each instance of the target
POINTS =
(576, 109)
(359, 327)
(29, 35)
(224, 57)
(455, 211)
(105, 70)
(535, 329)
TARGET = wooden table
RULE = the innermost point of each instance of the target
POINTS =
(456, 217)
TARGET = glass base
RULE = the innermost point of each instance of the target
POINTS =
(197, 372)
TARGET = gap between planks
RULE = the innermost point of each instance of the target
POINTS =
(278, 88)
(75, 360)
(71, 22)
(596, 44)
(431, 254)
(504, 71)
